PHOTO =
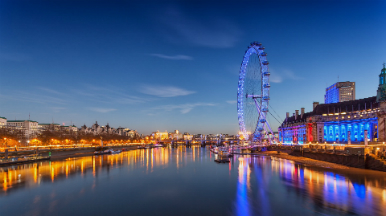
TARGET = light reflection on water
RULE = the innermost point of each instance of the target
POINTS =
(170, 180)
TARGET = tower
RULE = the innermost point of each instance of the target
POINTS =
(381, 92)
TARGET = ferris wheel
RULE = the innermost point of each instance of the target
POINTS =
(253, 94)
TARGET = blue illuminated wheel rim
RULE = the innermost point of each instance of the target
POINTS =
(253, 93)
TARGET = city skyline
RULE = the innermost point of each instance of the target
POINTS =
(174, 65)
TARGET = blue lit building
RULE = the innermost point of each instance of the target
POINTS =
(339, 121)
(340, 92)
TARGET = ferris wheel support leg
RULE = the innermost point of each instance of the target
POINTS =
(259, 111)
(269, 127)
(266, 123)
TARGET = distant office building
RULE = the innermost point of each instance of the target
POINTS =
(188, 137)
(160, 135)
(340, 92)
(48, 127)
(28, 128)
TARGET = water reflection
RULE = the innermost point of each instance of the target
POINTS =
(31, 175)
(317, 190)
(171, 179)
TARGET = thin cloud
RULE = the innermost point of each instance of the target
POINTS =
(48, 90)
(174, 57)
(27, 96)
(231, 101)
(275, 77)
(108, 95)
(278, 76)
(164, 91)
(101, 110)
(215, 33)
(183, 108)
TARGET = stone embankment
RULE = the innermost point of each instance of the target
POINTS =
(64, 153)
(364, 159)
(304, 160)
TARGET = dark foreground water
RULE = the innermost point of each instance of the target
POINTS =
(186, 181)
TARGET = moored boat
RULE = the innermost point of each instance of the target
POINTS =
(102, 152)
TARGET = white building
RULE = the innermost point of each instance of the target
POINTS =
(160, 135)
(3, 122)
(176, 135)
(188, 137)
(28, 128)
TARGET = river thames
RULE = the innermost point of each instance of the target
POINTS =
(187, 181)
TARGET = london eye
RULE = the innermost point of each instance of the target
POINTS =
(253, 94)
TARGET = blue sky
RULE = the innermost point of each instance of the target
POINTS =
(168, 65)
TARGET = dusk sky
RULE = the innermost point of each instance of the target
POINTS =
(166, 65)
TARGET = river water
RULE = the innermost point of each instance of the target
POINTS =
(187, 181)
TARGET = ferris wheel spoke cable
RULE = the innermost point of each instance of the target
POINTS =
(274, 117)
(275, 113)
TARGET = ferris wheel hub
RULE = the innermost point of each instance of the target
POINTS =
(252, 96)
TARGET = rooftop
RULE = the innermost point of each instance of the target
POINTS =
(49, 124)
(21, 121)
(346, 106)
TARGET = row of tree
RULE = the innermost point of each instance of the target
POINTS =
(17, 138)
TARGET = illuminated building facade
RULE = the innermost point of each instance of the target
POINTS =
(48, 127)
(340, 122)
(333, 123)
(28, 128)
(160, 135)
(340, 92)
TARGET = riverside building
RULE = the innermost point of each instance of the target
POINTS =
(352, 121)
(3, 122)
(27, 128)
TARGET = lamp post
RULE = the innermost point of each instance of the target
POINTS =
(6, 148)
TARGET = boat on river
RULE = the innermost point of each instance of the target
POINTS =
(23, 159)
(107, 151)
(214, 149)
(158, 145)
(224, 151)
